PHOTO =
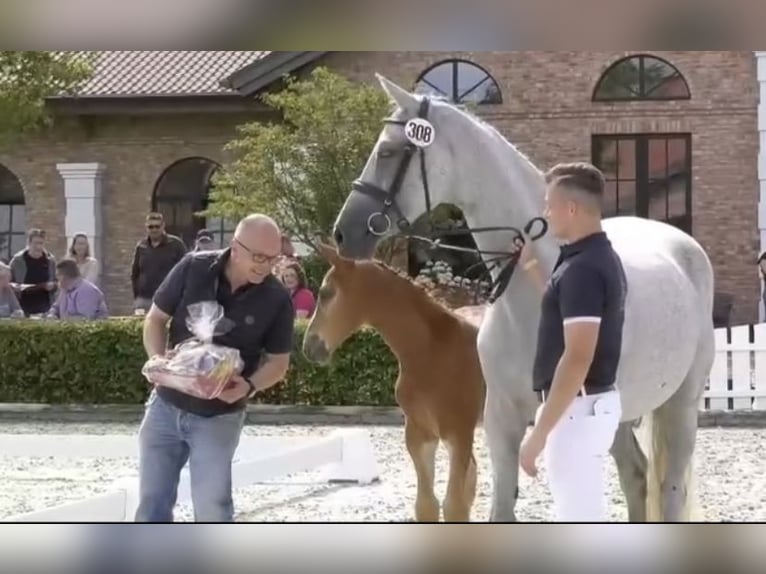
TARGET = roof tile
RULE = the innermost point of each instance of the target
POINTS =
(156, 73)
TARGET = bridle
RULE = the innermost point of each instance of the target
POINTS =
(505, 261)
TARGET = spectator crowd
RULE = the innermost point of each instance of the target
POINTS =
(35, 285)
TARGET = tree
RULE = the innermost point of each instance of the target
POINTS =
(300, 169)
(26, 79)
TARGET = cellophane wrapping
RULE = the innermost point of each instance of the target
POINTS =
(197, 366)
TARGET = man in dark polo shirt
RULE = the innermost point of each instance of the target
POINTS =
(578, 349)
(178, 427)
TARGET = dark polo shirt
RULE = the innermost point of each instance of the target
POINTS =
(262, 314)
(588, 281)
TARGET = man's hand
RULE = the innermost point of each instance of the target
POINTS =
(50, 286)
(531, 447)
(237, 389)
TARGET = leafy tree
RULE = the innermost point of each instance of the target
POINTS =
(300, 169)
(26, 79)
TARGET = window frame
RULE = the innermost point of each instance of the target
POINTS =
(641, 97)
(16, 198)
(454, 96)
(198, 203)
(642, 180)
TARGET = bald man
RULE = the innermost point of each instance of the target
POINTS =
(178, 427)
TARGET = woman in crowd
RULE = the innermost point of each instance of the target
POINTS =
(294, 279)
(9, 303)
(80, 252)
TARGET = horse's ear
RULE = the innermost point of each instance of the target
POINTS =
(402, 97)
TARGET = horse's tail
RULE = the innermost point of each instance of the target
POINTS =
(650, 435)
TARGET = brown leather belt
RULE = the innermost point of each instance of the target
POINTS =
(598, 391)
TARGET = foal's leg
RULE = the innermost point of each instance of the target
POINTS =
(461, 488)
(631, 467)
(422, 448)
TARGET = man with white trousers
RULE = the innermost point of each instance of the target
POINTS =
(578, 349)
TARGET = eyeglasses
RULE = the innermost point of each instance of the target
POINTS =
(153, 226)
(258, 257)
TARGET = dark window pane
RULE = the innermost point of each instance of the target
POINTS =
(5, 218)
(626, 198)
(439, 80)
(661, 80)
(658, 159)
(678, 160)
(621, 81)
(10, 187)
(677, 196)
(222, 229)
(627, 165)
(18, 242)
(610, 199)
(19, 223)
(468, 77)
(606, 157)
(658, 201)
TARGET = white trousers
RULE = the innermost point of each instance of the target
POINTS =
(575, 457)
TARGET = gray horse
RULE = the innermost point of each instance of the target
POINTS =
(668, 344)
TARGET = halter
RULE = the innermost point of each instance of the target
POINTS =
(504, 260)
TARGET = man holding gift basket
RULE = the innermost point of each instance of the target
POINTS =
(230, 336)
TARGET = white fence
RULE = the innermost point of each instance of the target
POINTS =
(737, 380)
(343, 456)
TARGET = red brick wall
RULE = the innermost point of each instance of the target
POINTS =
(135, 151)
(547, 112)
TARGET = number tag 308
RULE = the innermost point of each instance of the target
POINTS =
(420, 132)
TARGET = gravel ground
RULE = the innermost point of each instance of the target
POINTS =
(731, 467)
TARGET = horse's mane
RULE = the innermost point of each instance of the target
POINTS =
(430, 302)
(487, 127)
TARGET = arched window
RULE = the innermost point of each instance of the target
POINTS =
(641, 78)
(460, 82)
(13, 220)
(181, 192)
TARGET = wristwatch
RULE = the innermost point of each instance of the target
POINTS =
(253, 389)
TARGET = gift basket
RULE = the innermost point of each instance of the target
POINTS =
(197, 366)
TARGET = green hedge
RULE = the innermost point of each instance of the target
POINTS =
(100, 363)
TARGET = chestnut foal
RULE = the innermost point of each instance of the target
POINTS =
(440, 387)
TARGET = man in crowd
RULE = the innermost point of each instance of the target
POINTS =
(78, 298)
(154, 257)
(204, 241)
(33, 275)
(178, 427)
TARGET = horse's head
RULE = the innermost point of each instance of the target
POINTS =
(405, 175)
(340, 308)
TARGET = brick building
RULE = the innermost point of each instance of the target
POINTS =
(677, 134)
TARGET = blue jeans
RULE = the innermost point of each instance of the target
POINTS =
(168, 438)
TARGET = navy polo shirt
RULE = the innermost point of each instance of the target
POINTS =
(588, 283)
(262, 318)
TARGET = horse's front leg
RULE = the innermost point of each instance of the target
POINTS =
(505, 423)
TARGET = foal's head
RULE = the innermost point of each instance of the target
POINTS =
(355, 293)
(342, 306)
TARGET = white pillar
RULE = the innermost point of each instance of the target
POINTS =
(82, 189)
(761, 64)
